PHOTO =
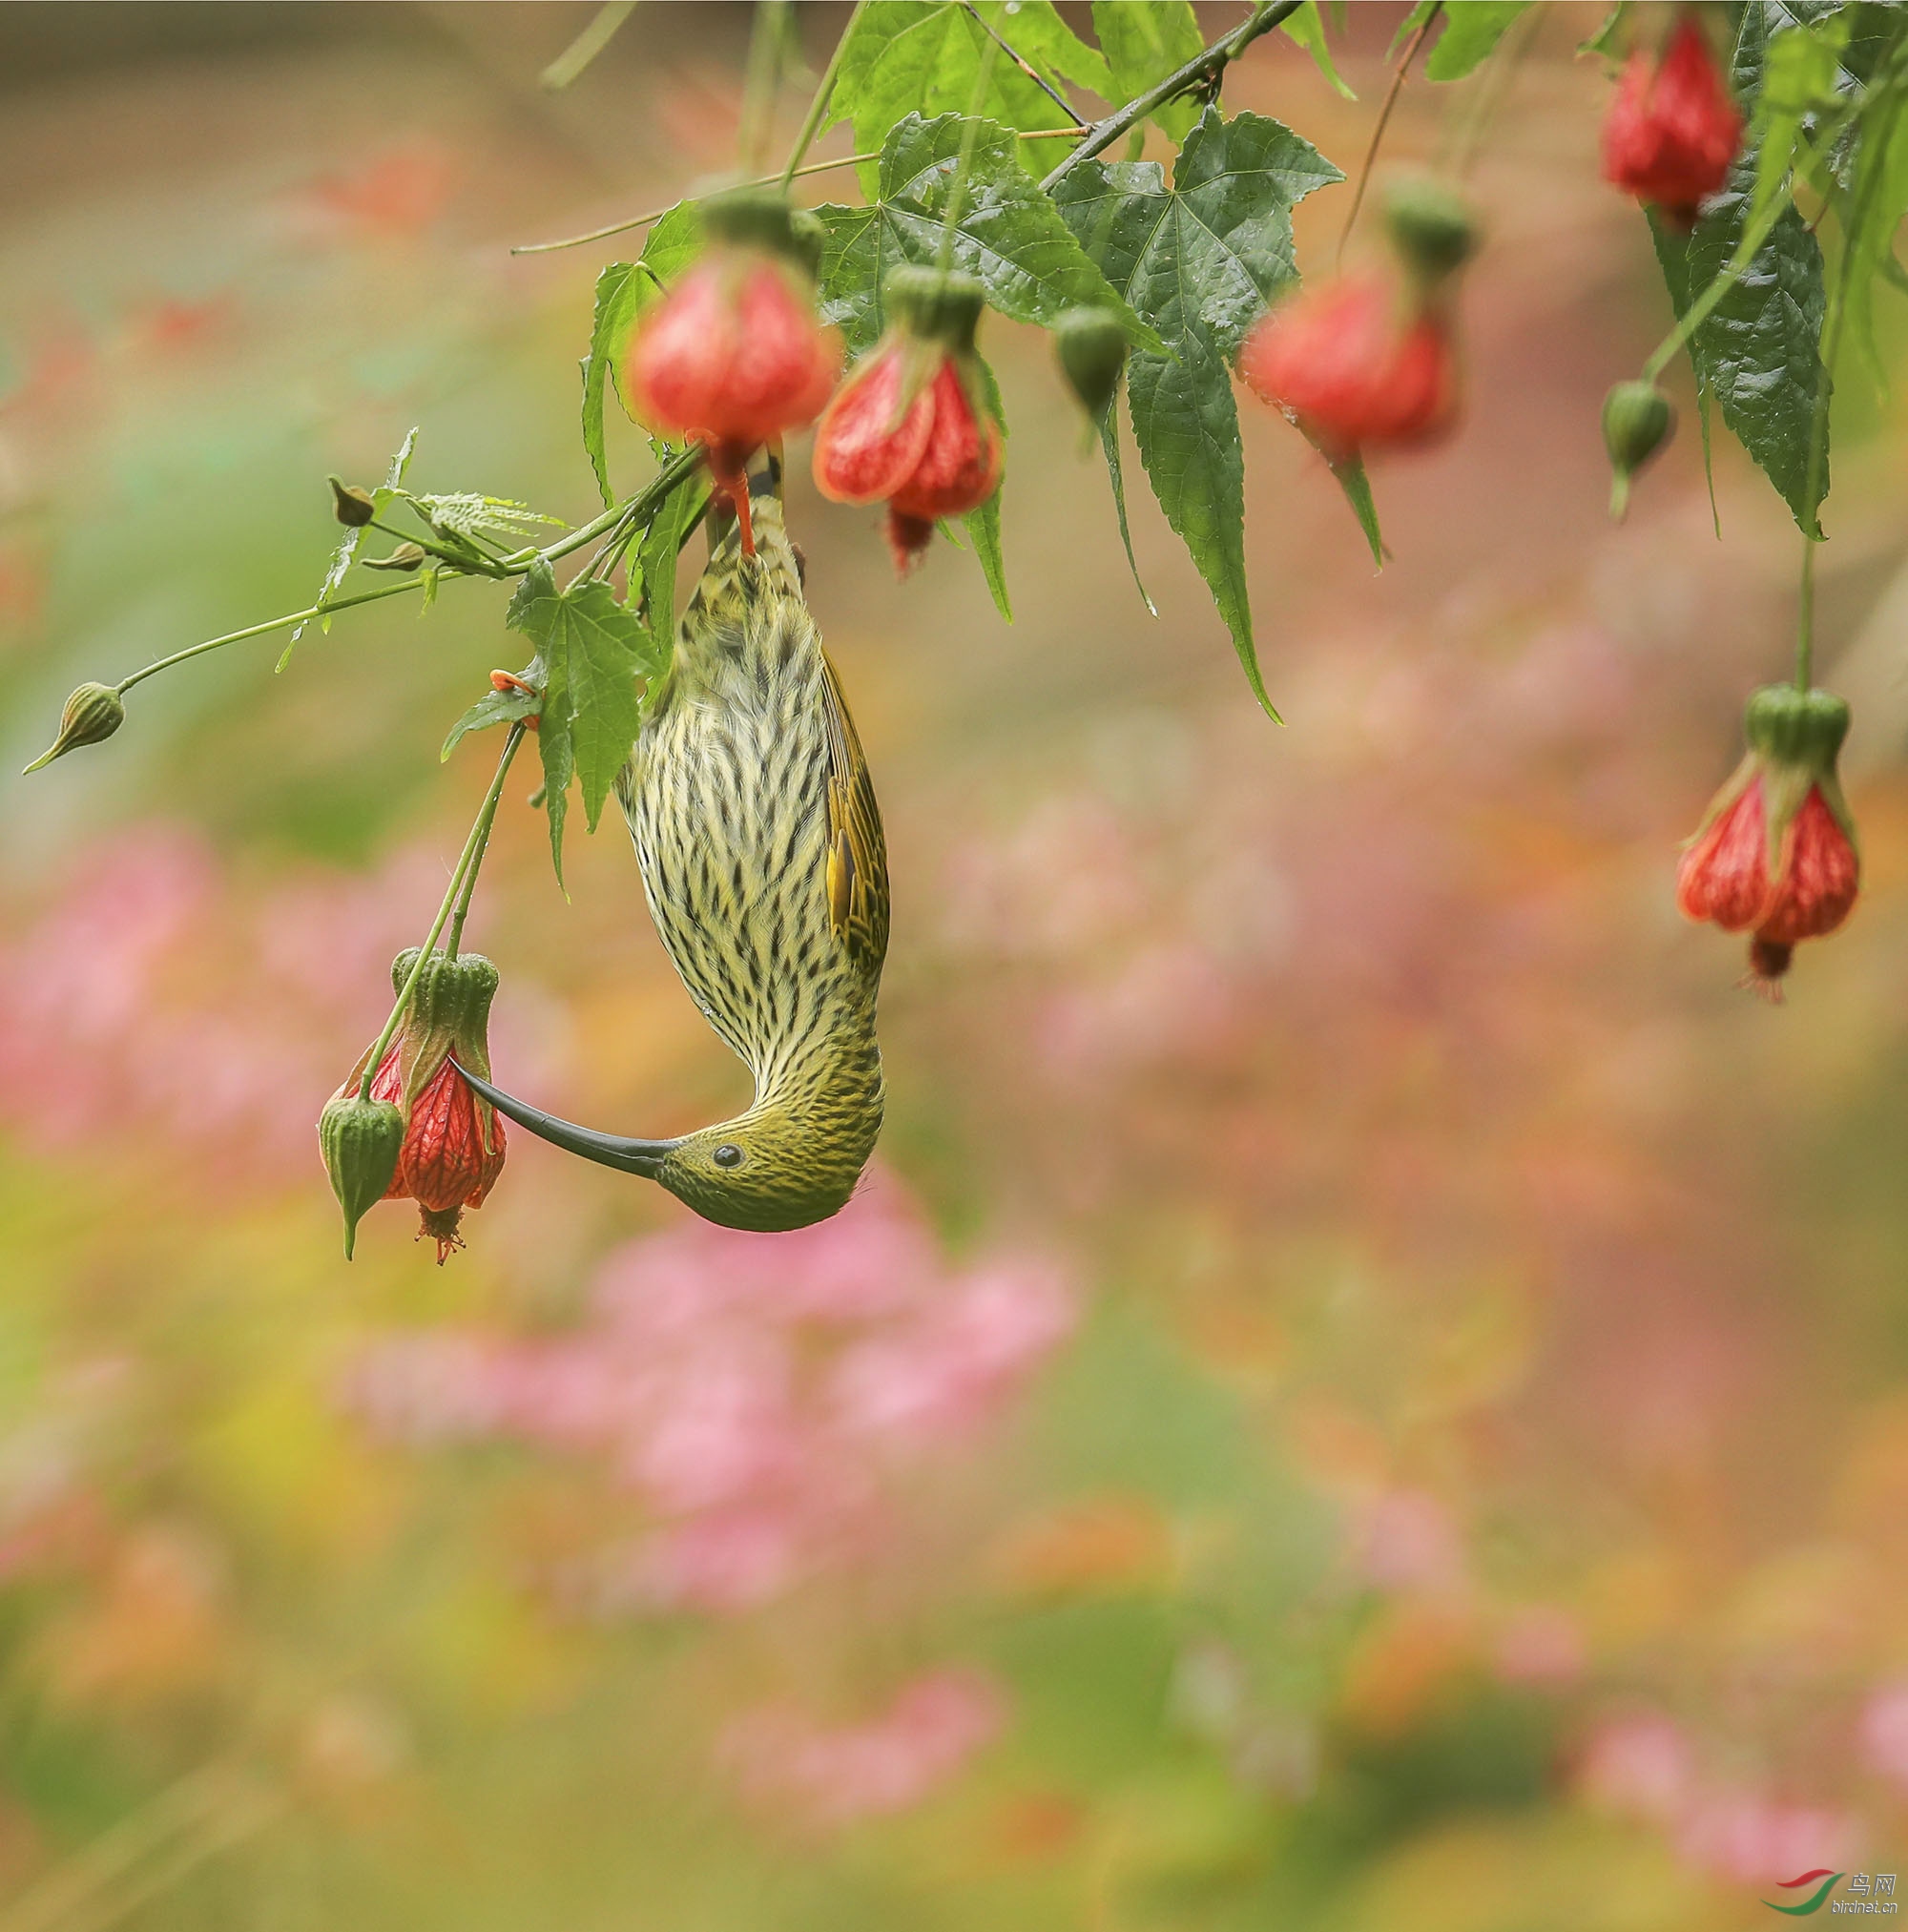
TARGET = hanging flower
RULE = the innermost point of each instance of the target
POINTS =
(732, 356)
(452, 1149)
(1671, 132)
(1777, 855)
(1352, 371)
(910, 426)
(1360, 362)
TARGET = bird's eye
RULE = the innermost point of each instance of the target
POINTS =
(728, 1154)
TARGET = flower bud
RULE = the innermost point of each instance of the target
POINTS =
(1431, 227)
(1638, 420)
(1093, 350)
(92, 713)
(405, 557)
(359, 1140)
(352, 506)
(809, 234)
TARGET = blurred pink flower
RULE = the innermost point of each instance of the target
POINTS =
(1539, 1645)
(1405, 1540)
(1883, 1732)
(1639, 1767)
(1755, 1839)
(749, 1389)
(781, 1758)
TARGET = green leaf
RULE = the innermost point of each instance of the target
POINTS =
(1872, 208)
(1010, 235)
(1144, 44)
(984, 532)
(1757, 352)
(496, 707)
(593, 650)
(616, 301)
(1035, 32)
(928, 62)
(1109, 442)
(1307, 27)
(656, 558)
(871, 30)
(675, 241)
(1472, 31)
(1412, 22)
(381, 499)
(984, 525)
(1603, 40)
(1350, 470)
(1202, 259)
(624, 289)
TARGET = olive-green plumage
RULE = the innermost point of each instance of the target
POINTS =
(762, 861)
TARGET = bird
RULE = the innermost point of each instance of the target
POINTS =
(764, 867)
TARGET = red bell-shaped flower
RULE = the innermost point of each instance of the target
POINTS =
(1365, 361)
(452, 1149)
(1776, 856)
(733, 355)
(1357, 370)
(909, 425)
(1671, 131)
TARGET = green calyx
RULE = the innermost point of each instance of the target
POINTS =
(361, 1140)
(759, 217)
(941, 306)
(1432, 228)
(1638, 420)
(1801, 729)
(1093, 350)
(449, 1009)
(93, 713)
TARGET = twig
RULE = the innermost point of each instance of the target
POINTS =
(465, 871)
(818, 108)
(765, 181)
(1202, 71)
(1026, 66)
(1391, 96)
(587, 44)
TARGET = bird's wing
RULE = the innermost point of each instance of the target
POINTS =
(858, 859)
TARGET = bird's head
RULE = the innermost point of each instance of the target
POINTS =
(762, 1172)
(766, 1170)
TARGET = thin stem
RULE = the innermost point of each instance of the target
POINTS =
(1805, 618)
(818, 108)
(1391, 96)
(466, 867)
(587, 44)
(957, 193)
(643, 220)
(1027, 67)
(270, 625)
(768, 36)
(1203, 70)
(472, 560)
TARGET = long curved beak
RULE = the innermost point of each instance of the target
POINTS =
(627, 1157)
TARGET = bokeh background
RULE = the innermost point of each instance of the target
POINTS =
(1370, 1387)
